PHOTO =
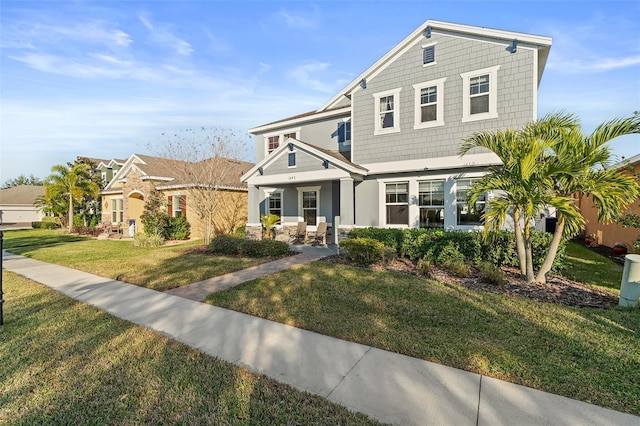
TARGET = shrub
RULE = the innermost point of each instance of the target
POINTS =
(450, 253)
(177, 228)
(226, 244)
(456, 267)
(492, 274)
(273, 248)
(388, 236)
(363, 251)
(424, 267)
(48, 222)
(146, 240)
(388, 255)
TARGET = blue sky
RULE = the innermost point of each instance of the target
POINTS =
(107, 79)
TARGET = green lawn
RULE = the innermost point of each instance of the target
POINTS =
(588, 267)
(156, 268)
(64, 362)
(588, 354)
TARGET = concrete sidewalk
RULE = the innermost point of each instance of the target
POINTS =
(387, 386)
(198, 291)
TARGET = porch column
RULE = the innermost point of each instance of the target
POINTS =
(346, 202)
(253, 206)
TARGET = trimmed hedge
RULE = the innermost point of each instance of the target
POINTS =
(48, 222)
(238, 245)
(438, 244)
(363, 251)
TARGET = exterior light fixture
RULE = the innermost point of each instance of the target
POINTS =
(363, 83)
(513, 47)
(427, 32)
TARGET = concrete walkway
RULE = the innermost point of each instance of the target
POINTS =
(198, 291)
(389, 387)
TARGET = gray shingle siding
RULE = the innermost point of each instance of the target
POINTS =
(304, 163)
(454, 56)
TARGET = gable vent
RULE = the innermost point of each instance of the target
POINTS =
(428, 54)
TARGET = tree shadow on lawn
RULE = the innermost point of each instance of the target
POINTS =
(38, 241)
(541, 345)
(68, 363)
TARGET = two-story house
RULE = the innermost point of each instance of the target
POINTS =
(384, 150)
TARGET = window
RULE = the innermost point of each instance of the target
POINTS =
(274, 140)
(177, 205)
(117, 210)
(428, 55)
(397, 203)
(310, 207)
(480, 94)
(292, 159)
(431, 203)
(272, 143)
(466, 214)
(429, 104)
(387, 119)
(344, 132)
(274, 205)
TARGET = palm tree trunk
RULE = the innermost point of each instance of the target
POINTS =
(519, 242)
(528, 252)
(551, 254)
(70, 212)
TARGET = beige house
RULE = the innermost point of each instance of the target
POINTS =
(17, 204)
(181, 187)
(611, 233)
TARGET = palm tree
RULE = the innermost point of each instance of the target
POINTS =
(588, 159)
(545, 164)
(72, 183)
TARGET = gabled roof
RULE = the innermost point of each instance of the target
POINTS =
(540, 43)
(21, 195)
(333, 157)
(543, 44)
(163, 170)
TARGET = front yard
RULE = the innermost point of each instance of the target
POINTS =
(590, 354)
(156, 268)
(66, 363)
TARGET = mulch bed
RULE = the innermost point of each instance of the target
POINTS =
(557, 289)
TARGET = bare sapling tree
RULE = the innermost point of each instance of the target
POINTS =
(205, 165)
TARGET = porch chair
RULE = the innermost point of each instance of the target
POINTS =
(300, 234)
(319, 237)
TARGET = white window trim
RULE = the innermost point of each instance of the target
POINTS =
(493, 94)
(115, 210)
(306, 189)
(439, 83)
(295, 157)
(422, 53)
(347, 142)
(382, 205)
(396, 112)
(281, 140)
(454, 190)
(267, 194)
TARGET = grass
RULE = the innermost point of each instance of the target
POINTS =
(156, 268)
(64, 362)
(587, 354)
(591, 268)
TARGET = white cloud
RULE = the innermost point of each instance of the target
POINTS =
(264, 67)
(297, 21)
(303, 75)
(162, 34)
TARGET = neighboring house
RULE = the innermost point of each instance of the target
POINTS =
(384, 150)
(124, 197)
(17, 204)
(611, 233)
(106, 169)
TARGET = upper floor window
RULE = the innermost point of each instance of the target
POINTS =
(274, 140)
(466, 214)
(344, 131)
(397, 203)
(480, 88)
(387, 114)
(291, 160)
(272, 143)
(429, 104)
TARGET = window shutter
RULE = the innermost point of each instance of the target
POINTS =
(170, 205)
(428, 54)
(342, 132)
(292, 159)
(183, 205)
